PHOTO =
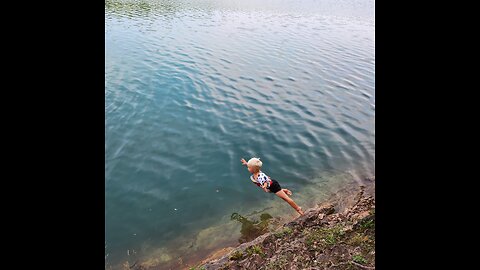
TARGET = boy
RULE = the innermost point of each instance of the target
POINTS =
(267, 184)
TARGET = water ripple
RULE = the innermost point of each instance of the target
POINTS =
(192, 86)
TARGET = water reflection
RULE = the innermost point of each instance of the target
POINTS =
(141, 8)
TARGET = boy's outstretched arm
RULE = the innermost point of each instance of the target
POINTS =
(243, 162)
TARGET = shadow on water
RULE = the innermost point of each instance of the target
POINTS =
(251, 229)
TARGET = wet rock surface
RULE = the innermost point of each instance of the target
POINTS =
(321, 239)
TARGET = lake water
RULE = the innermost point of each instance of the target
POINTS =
(193, 86)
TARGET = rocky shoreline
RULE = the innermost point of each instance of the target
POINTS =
(338, 234)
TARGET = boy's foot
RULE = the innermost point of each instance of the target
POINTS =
(299, 210)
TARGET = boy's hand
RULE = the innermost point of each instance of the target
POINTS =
(243, 161)
(264, 187)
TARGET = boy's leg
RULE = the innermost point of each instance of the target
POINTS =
(285, 197)
(288, 192)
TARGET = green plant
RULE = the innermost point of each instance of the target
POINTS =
(325, 236)
(358, 240)
(367, 224)
(255, 250)
(282, 233)
(359, 259)
(280, 263)
(237, 255)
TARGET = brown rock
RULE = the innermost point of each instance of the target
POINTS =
(348, 228)
(326, 208)
(361, 215)
(257, 259)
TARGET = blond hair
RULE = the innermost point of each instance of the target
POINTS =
(255, 163)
